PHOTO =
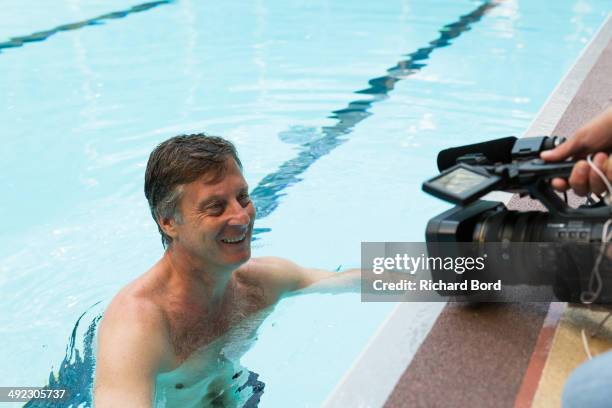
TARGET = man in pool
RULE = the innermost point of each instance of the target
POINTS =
(175, 334)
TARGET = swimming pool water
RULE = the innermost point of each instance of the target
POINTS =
(83, 108)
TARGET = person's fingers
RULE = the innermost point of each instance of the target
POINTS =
(594, 136)
(579, 179)
(561, 152)
(559, 184)
(596, 184)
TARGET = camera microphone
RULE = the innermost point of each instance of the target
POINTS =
(497, 150)
(503, 150)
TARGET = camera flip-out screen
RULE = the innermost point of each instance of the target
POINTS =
(461, 184)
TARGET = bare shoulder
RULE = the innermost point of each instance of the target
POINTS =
(137, 312)
(135, 325)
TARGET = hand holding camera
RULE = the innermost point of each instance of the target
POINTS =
(593, 138)
(563, 247)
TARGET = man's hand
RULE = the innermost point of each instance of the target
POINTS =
(584, 180)
(595, 136)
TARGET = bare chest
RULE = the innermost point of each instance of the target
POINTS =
(192, 329)
(212, 372)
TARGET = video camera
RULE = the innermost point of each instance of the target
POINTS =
(560, 248)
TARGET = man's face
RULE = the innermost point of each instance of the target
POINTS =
(217, 220)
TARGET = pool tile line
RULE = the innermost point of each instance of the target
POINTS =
(16, 42)
(267, 194)
(411, 65)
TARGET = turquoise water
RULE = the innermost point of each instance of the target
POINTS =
(84, 106)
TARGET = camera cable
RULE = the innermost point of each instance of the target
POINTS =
(588, 297)
(603, 177)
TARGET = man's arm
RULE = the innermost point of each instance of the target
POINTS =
(330, 282)
(285, 278)
(132, 348)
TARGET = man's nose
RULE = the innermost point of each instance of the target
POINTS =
(239, 215)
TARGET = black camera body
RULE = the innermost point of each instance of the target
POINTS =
(560, 246)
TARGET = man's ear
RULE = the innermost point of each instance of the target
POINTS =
(168, 225)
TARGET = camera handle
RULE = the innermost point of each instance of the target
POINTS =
(534, 176)
(543, 191)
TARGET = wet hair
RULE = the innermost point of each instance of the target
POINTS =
(178, 161)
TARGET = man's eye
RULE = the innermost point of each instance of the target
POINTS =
(215, 208)
(244, 198)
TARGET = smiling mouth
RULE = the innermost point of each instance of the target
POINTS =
(235, 240)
